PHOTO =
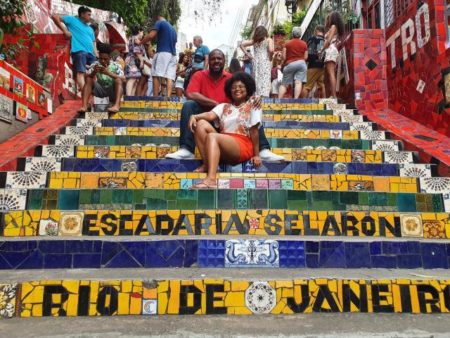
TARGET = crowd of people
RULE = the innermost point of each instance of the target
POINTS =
(222, 114)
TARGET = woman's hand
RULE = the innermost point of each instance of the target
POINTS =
(256, 102)
(256, 160)
(192, 123)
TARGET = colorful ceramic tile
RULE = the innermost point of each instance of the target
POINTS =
(71, 224)
(415, 170)
(69, 140)
(411, 225)
(6, 109)
(8, 300)
(433, 229)
(48, 227)
(26, 179)
(260, 297)
(89, 123)
(42, 164)
(149, 306)
(385, 145)
(57, 151)
(80, 131)
(251, 253)
(400, 157)
(13, 199)
(435, 184)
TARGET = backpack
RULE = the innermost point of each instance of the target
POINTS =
(315, 44)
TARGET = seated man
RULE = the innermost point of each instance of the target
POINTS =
(205, 91)
(110, 78)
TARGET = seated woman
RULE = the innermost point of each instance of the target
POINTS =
(238, 122)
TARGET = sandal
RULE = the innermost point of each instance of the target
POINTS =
(111, 110)
(81, 111)
(203, 186)
(200, 169)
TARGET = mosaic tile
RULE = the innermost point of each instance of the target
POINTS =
(400, 157)
(8, 300)
(252, 253)
(411, 225)
(373, 135)
(69, 140)
(435, 184)
(96, 115)
(48, 227)
(81, 131)
(385, 145)
(361, 126)
(260, 297)
(149, 306)
(13, 199)
(57, 151)
(42, 164)
(89, 123)
(26, 179)
(71, 224)
(415, 170)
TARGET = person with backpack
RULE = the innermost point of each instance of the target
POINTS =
(316, 70)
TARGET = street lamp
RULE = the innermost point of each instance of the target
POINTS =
(291, 6)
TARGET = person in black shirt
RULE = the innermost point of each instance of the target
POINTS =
(316, 70)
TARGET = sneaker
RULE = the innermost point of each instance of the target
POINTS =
(181, 154)
(267, 155)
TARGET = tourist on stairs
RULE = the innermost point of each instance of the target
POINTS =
(334, 25)
(109, 83)
(205, 91)
(237, 140)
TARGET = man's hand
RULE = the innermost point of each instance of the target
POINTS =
(256, 160)
(100, 69)
(67, 34)
(192, 123)
(256, 102)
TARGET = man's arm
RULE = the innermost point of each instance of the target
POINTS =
(150, 36)
(58, 22)
(206, 62)
(201, 100)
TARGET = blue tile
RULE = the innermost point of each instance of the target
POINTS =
(413, 247)
(409, 261)
(384, 261)
(292, 254)
(52, 246)
(89, 261)
(76, 246)
(136, 250)
(109, 250)
(57, 261)
(312, 247)
(15, 246)
(434, 256)
(332, 254)
(312, 261)
(191, 250)
(34, 261)
(15, 259)
(375, 248)
(357, 255)
(4, 265)
(122, 260)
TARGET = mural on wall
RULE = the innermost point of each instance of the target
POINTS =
(418, 65)
(6, 109)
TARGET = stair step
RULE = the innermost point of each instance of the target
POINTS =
(222, 291)
(289, 224)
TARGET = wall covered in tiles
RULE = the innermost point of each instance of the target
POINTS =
(418, 69)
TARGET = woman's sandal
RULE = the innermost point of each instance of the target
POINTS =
(203, 185)
(201, 169)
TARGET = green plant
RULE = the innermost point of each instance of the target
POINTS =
(288, 27)
(297, 18)
(246, 33)
(278, 29)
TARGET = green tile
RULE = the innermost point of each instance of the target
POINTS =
(207, 199)
(438, 203)
(406, 202)
(257, 199)
(68, 199)
(225, 199)
(122, 196)
(85, 196)
(158, 204)
(106, 196)
(297, 200)
(185, 204)
(277, 199)
(35, 199)
(95, 196)
(170, 195)
(187, 194)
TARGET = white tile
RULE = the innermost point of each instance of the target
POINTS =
(361, 126)
(13, 199)
(72, 130)
(26, 179)
(69, 140)
(372, 135)
(260, 297)
(51, 150)
(435, 185)
(149, 306)
(42, 164)
(385, 145)
(415, 170)
(252, 253)
(352, 118)
(398, 157)
(96, 115)
(48, 227)
(89, 123)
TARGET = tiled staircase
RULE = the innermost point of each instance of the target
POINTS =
(349, 223)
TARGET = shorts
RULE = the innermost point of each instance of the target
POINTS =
(81, 59)
(315, 75)
(100, 91)
(245, 146)
(165, 65)
(331, 54)
(179, 83)
(294, 71)
(275, 86)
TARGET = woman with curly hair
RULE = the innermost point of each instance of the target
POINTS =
(237, 138)
(334, 26)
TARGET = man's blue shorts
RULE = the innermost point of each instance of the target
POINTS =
(81, 59)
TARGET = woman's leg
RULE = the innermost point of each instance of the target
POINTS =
(282, 91)
(141, 86)
(331, 71)
(179, 92)
(201, 133)
(220, 147)
(130, 87)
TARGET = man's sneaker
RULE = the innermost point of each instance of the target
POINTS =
(267, 155)
(181, 154)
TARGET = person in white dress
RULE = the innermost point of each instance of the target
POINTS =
(263, 51)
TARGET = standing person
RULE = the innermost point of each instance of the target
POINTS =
(235, 66)
(165, 60)
(263, 49)
(82, 38)
(205, 91)
(134, 62)
(276, 74)
(247, 60)
(334, 26)
(237, 140)
(109, 80)
(295, 52)
(183, 64)
(316, 72)
(151, 57)
(200, 57)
